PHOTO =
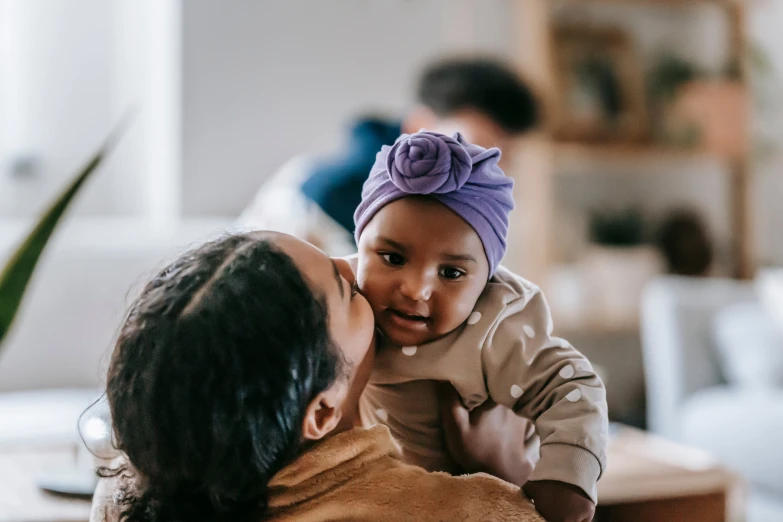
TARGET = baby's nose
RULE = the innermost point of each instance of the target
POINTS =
(416, 288)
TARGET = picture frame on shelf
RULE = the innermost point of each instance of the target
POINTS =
(600, 89)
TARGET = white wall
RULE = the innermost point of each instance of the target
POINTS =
(69, 69)
(56, 95)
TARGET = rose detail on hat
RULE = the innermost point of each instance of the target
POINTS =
(428, 163)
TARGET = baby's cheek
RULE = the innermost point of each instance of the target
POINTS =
(371, 278)
(366, 270)
(457, 312)
(362, 279)
(371, 288)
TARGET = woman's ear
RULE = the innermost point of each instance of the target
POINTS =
(324, 413)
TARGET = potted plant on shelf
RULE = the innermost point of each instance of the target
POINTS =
(700, 110)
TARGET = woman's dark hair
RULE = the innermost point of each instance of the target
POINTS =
(486, 85)
(210, 379)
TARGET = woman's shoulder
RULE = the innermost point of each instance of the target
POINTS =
(468, 497)
(360, 472)
(380, 487)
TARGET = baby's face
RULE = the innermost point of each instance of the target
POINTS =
(422, 268)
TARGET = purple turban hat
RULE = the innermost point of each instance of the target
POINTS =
(464, 177)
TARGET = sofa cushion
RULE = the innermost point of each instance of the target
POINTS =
(48, 417)
(742, 428)
(769, 288)
(750, 346)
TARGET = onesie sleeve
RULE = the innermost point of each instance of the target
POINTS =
(547, 380)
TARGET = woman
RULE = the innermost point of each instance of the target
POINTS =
(234, 387)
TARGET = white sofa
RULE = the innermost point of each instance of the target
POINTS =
(690, 398)
(53, 363)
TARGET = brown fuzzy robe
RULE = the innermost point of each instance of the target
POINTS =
(358, 475)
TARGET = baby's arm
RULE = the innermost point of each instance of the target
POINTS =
(546, 380)
(489, 438)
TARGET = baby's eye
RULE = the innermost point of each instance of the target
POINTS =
(393, 259)
(354, 290)
(450, 272)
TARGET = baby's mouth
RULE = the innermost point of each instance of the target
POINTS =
(407, 320)
(413, 317)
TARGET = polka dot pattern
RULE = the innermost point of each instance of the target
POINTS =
(574, 395)
(566, 372)
(382, 414)
(516, 391)
(529, 331)
(474, 318)
(410, 351)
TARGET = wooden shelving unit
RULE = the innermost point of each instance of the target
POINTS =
(588, 152)
(668, 3)
(536, 171)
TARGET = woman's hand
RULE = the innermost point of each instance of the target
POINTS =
(560, 502)
(491, 438)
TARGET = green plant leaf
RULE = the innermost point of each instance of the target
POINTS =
(17, 273)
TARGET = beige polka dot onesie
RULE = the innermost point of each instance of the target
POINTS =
(504, 351)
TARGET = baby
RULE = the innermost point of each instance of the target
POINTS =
(431, 231)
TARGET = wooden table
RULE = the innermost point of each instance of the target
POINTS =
(20, 498)
(649, 479)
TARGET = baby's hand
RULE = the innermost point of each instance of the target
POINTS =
(491, 438)
(560, 502)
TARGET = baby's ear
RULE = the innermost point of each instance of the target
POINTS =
(324, 413)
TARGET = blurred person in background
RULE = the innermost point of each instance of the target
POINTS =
(314, 199)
